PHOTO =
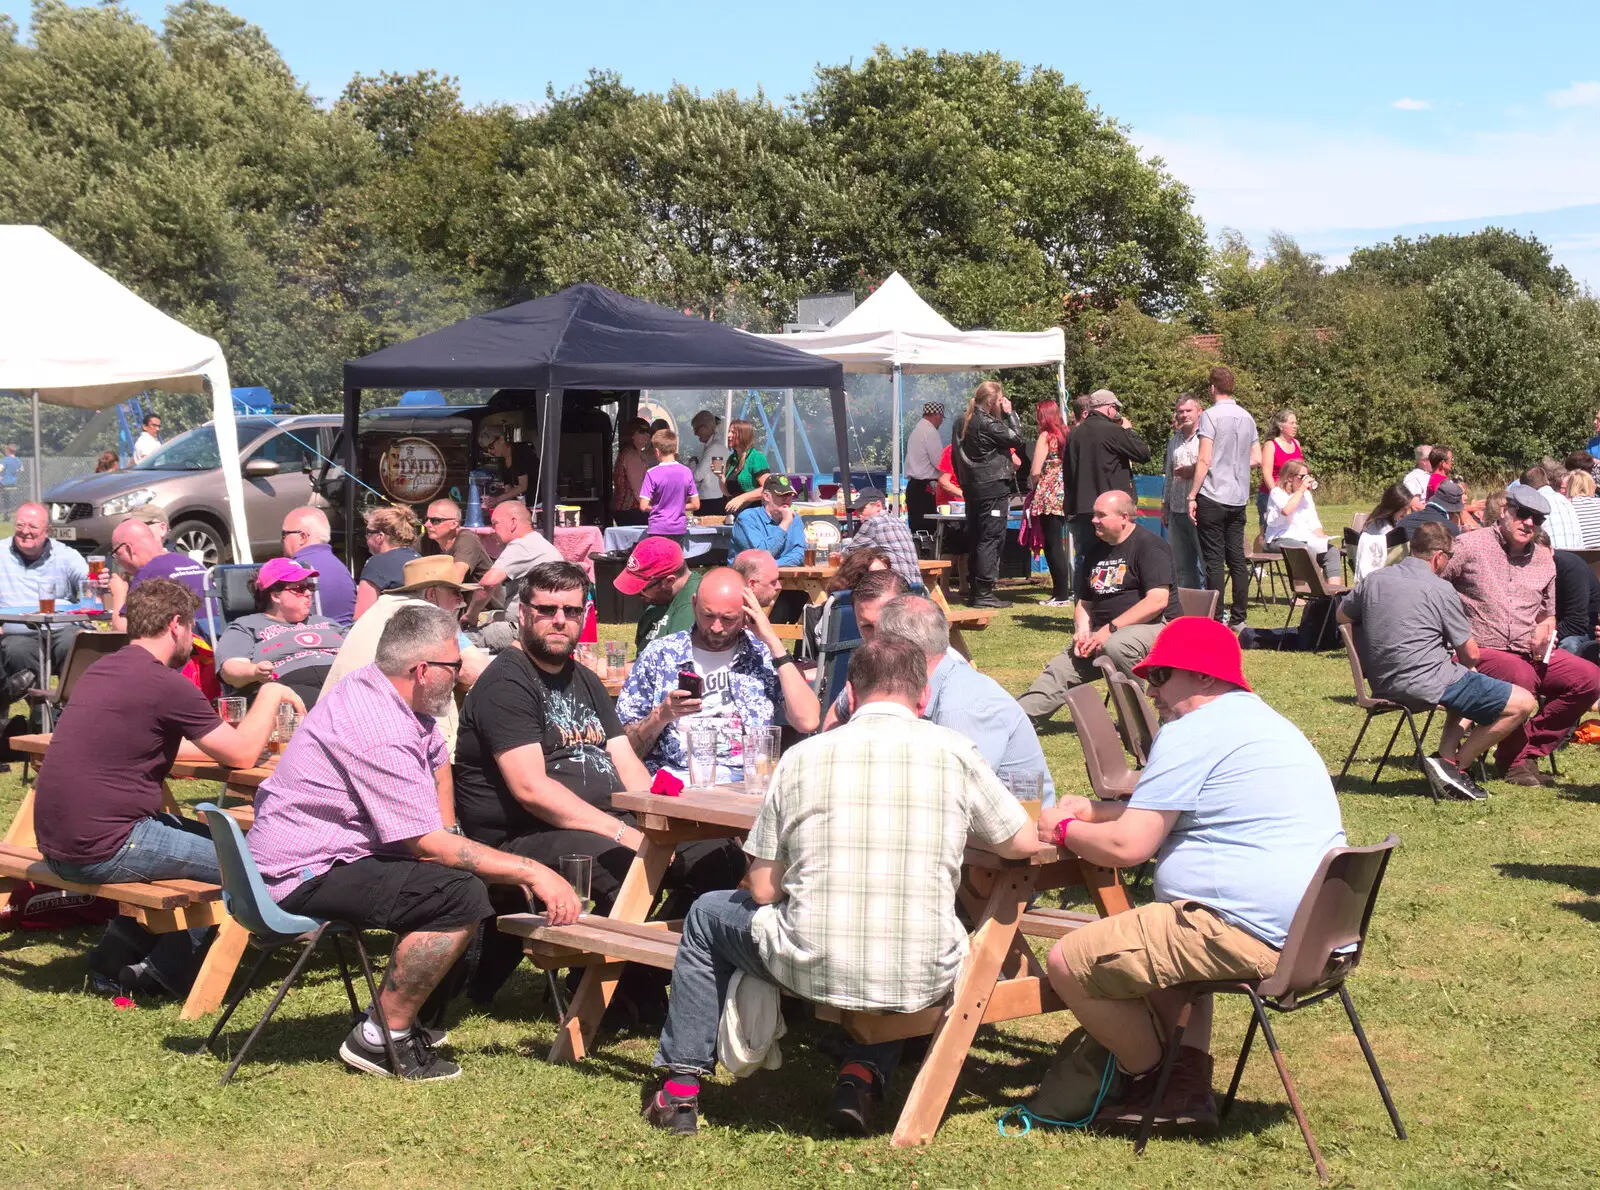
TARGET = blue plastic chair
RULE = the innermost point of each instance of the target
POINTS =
(245, 895)
(837, 638)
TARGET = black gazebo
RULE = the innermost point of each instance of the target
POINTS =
(585, 337)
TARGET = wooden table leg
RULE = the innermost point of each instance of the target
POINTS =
(216, 973)
(1106, 887)
(991, 945)
(599, 983)
(20, 832)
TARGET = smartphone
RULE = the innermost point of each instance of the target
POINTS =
(691, 683)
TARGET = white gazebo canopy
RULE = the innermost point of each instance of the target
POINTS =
(894, 331)
(72, 335)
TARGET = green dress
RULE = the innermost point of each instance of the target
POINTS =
(745, 471)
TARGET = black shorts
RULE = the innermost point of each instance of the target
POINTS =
(390, 892)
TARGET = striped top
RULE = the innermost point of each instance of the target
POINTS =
(356, 780)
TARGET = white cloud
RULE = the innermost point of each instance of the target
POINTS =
(1412, 105)
(1577, 95)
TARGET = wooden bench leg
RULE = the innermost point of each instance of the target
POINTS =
(634, 899)
(20, 832)
(1106, 887)
(216, 973)
(991, 944)
(958, 642)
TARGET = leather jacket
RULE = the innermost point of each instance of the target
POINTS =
(984, 451)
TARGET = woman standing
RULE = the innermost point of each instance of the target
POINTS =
(989, 477)
(1048, 501)
(391, 540)
(746, 471)
(1372, 551)
(1283, 447)
(627, 477)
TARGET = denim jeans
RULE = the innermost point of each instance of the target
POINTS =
(1586, 647)
(164, 847)
(716, 942)
(1185, 541)
(1082, 530)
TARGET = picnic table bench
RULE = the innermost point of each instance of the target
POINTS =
(1001, 979)
(160, 906)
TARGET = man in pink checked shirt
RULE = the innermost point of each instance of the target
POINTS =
(358, 825)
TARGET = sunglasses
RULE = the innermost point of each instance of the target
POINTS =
(1159, 675)
(549, 611)
(292, 532)
(452, 666)
(1536, 519)
(439, 520)
(301, 588)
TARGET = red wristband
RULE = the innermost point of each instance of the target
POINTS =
(1061, 830)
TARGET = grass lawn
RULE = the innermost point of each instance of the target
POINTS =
(1478, 994)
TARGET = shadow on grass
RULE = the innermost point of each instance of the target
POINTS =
(1584, 878)
(61, 973)
(1037, 623)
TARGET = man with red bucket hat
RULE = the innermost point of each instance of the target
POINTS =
(1237, 810)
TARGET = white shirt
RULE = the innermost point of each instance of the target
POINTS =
(707, 482)
(1416, 482)
(1372, 550)
(1181, 452)
(923, 449)
(145, 445)
(1562, 523)
(1303, 525)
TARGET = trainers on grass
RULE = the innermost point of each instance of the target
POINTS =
(419, 1061)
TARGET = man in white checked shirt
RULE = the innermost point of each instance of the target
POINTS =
(855, 861)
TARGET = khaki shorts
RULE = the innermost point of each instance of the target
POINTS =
(1132, 954)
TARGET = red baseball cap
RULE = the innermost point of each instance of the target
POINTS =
(1199, 645)
(653, 558)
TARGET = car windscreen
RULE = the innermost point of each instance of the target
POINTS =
(196, 449)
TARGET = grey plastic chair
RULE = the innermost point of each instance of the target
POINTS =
(1325, 943)
(1137, 723)
(245, 895)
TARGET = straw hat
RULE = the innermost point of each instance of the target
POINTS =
(436, 570)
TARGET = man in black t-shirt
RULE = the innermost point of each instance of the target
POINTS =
(540, 752)
(1125, 591)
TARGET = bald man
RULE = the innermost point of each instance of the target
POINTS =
(442, 524)
(522, 550)
(759, 570)
(744, 674)
(138, 553)
(306, 538)
(31, 563)
(1125, 593)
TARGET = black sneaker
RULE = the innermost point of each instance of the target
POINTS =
(140, 980)
(16, 686)
(435, 1037)
(419, 1061)
(850, 1112)
(681, 1117)
(1449, 781)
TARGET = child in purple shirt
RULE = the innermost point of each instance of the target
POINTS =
(669, 493)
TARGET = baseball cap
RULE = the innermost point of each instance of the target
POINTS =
(150, 514)
(1524, 496)
(653, 558)
(1200, 645)
(282, 570)
(1103, 397)
(932, 408)
(866, 496)
(1449, 496)
(779, 485)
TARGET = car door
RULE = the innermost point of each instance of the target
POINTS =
(268, 498)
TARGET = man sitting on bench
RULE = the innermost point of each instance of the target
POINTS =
(98, 804)
(855, 862)
(350, 828)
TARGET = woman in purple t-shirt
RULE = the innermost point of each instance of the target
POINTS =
(669, 492)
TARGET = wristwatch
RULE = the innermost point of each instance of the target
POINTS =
(454, 829)
(783, 659)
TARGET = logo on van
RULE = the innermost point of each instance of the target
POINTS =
(411, 470)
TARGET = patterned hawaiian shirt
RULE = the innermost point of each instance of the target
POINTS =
(745, 694)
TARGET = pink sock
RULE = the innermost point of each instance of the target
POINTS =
(679, 1090)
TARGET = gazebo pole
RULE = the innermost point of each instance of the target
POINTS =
(549, 458)
(894, 455)
(37, 485)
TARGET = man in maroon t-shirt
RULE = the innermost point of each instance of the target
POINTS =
(97, 804)
(139, 554)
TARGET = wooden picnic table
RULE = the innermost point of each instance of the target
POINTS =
(210, 987)
(813, 580)
(1001, 980)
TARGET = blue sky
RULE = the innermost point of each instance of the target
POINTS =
(1340, 124)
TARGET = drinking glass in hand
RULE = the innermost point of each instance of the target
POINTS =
(231, 710)
(578, 871)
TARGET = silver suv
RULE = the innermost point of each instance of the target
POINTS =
(279, 455)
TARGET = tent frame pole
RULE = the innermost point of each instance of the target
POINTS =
(896, 459)
(36, 481)
(352, 419)
(551, 402)
(841, 434)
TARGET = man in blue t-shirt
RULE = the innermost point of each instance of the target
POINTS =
(10, 479)
(1237, 810)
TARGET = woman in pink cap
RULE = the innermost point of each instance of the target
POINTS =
(286, 640)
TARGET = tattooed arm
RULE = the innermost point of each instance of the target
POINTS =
(499, 867)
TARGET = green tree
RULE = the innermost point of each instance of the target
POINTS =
(1521, 259)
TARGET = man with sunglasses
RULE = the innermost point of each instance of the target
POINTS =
(1507, 583)
(1236, 808)
(306, 536)
(138, 553)
(442, 525)
(657, 573)
(1417, 649)
(350, 826)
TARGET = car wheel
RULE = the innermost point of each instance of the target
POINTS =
(197, 537)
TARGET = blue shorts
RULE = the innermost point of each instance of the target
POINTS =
(1477, 696)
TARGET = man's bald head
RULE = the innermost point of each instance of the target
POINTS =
(30, 531)
(1118, 502)
(760, 572)
(311, 522)
(133, 544)
(719, 614)
(511, 520)
(1113, 516)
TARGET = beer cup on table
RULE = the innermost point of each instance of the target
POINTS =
(760, 757)
(616, 658)
(1027, 788)
(578, 871)
(811, 556)
(701, 743)
(288, 719)
(47, 595)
